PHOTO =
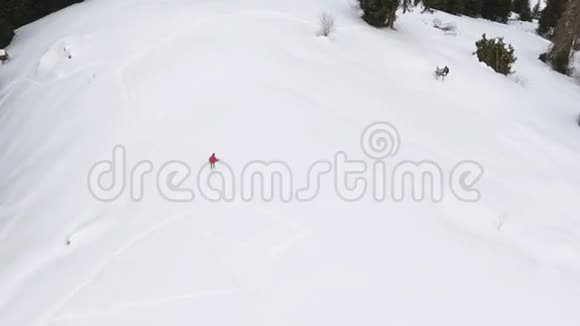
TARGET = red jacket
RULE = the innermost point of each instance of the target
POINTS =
(213, 159)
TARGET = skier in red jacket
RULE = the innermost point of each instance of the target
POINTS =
(212, 161)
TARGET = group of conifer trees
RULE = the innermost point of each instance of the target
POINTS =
(558, 21)
(16, 13)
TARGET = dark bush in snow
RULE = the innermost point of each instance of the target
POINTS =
(380, 13)
(6, 33)
(496, 54)
(4, 56)
(21, 12)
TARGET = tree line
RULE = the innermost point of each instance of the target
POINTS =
(16, 13)
(558, 21)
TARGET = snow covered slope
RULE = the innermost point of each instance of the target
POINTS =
(250, 80)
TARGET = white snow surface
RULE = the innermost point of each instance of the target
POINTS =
(250, 80)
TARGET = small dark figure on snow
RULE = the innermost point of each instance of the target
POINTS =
(212, 161)
(441, 72)
(4, 56)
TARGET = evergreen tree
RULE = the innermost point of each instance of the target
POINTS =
(550, 16)
(17, 13)
(536, 12)
(472, 8)
(453, 7)
(496, 54)
(566, 33)
(380, 13)
(522, 7)
(406, 5)
(6, 33)
(497, 10)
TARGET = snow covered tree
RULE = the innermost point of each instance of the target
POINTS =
(380, 13)
(549, 17)
(406, 5)
(565, 36)
(496, 54)
(536, 12)
(522, 7)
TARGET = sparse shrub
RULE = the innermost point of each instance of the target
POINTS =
(496, 54)
(326, 25)
(6, 33)
(380, 13)
(447, 28)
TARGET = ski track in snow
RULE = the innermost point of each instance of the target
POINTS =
(300, 233)
(101, 267)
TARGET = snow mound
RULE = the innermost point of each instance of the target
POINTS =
(62, 59)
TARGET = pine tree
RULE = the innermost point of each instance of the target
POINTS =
(496, 54)
(522, 7)
(550, 16)
(454, 7)
(406, 5)
(6, 33)
(536, 12)
(472, 8)
(16, 13)
(566, 33)
(497, 10)
(380, 13)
